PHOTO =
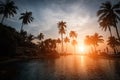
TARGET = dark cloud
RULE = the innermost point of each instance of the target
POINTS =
(48, 12)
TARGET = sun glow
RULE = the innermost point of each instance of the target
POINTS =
(81, 48)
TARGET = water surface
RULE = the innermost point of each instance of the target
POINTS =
(64, 68)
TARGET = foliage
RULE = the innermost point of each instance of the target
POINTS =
(109, 15)
(61, 27)
(26, 18)
(7, 9)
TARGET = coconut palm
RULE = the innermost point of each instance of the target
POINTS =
(109, 15)
(113, 43)
(104, 24)
(66, 40)
(88, 41)
(73, 35)
(61, 27)
(40, 36)
(96, 38)
(26, 18)
(7, 9)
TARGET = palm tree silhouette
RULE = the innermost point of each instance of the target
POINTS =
(61, 27)
(109, 15)
(73, 35)
(26, 18)
(40, 36)
(104, 24)
(58, 41)
(88, 41)
(7, 9)
(96, 38)
(66, 40)
(30, 38)
(113, 43)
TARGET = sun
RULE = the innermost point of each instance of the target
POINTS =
(81, 48)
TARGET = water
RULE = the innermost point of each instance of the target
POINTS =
(63, 68)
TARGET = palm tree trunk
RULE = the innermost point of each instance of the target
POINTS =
(66, 47)
(94, 49)
(21, 28)
(2, 19)
(62, 43)
(74, 50)
(110, 31)
(117, 33)
(114, 50)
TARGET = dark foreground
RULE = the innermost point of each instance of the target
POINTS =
(73, 67)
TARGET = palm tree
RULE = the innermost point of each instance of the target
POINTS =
(30, 38)
(74, 43)
(40, 36)
(73, 35)
(104, 24)
(109, 15)
(61, 27)
(26, 18)
(58, 41)
(7, 9)
(66, 40)
(113, 43)
(88, 41)
(96, 38)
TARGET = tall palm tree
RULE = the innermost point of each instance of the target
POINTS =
(104, 24)
(66, 40)
(113, 43)
(40, 36)
(88, 41)
(73, 35)
(61, 27)
(96, 38)
(26, 18)
(7, 9)
(110, 14)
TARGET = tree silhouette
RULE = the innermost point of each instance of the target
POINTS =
(61, 27)
(7, 9)
(93, 40)
(30, 38)
(109, 15)
(26, 18)
(113, 43)
(96, 38)
(104, 24)
(73, 35)
(40, 36)
(88, 41)
(48, 45)
(66, 40)
(58, 41)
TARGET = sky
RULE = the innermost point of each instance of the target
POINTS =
(79, 15)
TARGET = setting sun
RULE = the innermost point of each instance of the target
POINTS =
(81, 48)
